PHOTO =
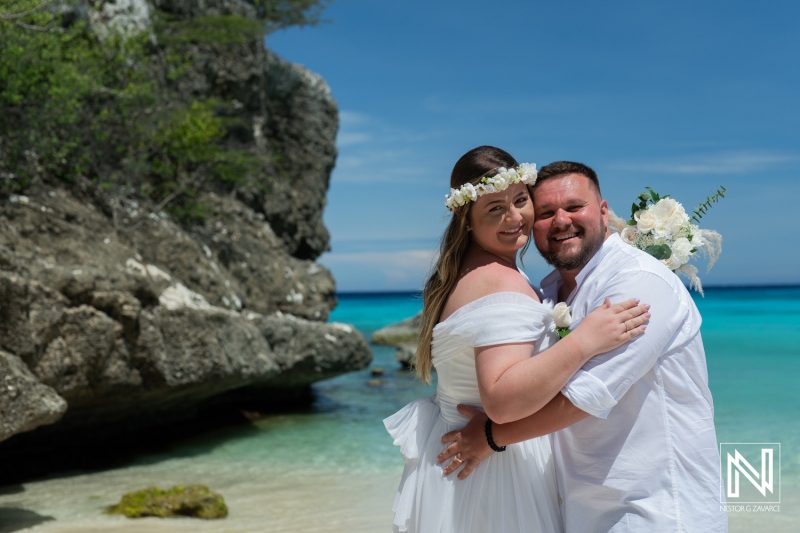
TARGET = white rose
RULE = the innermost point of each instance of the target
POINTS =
(682, 249)
(629, 234)
(672, 225)
(672, 263)
(645, 220)
(676, 221)
(561, 315)
(667, 208)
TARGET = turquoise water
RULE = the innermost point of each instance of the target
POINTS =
(332, 467)
(345, 418)
(752, 341)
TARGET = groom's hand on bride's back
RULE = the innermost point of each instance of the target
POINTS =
(467, 444)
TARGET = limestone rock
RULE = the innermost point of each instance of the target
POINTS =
(406, 354)
(25, 403)
(127, 17)
(309, 348)
(302, 126)
(132, 318)
(406, 332)
(404, 335)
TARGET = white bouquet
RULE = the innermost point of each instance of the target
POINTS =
(661, 227)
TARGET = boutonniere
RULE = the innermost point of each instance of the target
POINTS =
(562, 318)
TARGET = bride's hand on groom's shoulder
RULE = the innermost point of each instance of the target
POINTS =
(466, 447)
(610, 326)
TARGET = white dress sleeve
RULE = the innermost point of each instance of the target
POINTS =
(501, 318)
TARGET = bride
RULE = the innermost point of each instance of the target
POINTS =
(482, 324)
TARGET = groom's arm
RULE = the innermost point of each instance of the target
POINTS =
(470, 441)
(599, 385)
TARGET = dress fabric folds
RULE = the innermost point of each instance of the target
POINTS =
(511, 492)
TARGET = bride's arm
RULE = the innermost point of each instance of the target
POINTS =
(470, 443)
(514, 385)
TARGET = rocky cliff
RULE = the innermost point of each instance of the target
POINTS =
(116, 314)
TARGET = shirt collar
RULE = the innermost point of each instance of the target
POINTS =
(553, 280)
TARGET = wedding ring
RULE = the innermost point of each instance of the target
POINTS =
(457, 458)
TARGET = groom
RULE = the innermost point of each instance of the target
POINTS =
(634, 442)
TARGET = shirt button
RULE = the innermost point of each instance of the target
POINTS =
(560, 501)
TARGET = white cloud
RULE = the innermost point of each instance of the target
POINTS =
(349, 139)
(402, 269)
(398, 258)
(716, 163)
(350, 118)
(369, 163)
(374, 151)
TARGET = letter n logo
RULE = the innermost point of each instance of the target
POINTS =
(748, 472)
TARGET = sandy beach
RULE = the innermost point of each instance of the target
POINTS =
(328, 503)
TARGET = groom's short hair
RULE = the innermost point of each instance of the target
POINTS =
(561, 168)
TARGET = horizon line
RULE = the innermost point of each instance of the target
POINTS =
(705, 288)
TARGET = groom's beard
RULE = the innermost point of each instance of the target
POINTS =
(570, 260)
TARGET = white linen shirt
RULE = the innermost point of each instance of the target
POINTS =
(647, 458)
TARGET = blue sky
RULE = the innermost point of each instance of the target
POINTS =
(681, 96)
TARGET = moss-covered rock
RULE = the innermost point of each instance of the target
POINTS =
(197, 501)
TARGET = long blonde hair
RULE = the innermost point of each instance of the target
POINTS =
(471, 167)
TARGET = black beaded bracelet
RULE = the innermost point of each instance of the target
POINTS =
(489, 439)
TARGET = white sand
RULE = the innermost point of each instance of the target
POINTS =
(323, 503)
(259, 499)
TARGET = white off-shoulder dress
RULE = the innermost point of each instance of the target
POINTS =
(514, 491)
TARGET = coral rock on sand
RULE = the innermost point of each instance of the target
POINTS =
(196, 501)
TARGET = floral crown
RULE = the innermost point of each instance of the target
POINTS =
(524, 173)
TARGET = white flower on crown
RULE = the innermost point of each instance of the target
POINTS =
(505, 177)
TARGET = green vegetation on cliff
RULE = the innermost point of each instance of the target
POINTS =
(279, 14)
(121, 111)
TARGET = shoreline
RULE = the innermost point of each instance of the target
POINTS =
(317, 506)
(309, 496)
(326, 503)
